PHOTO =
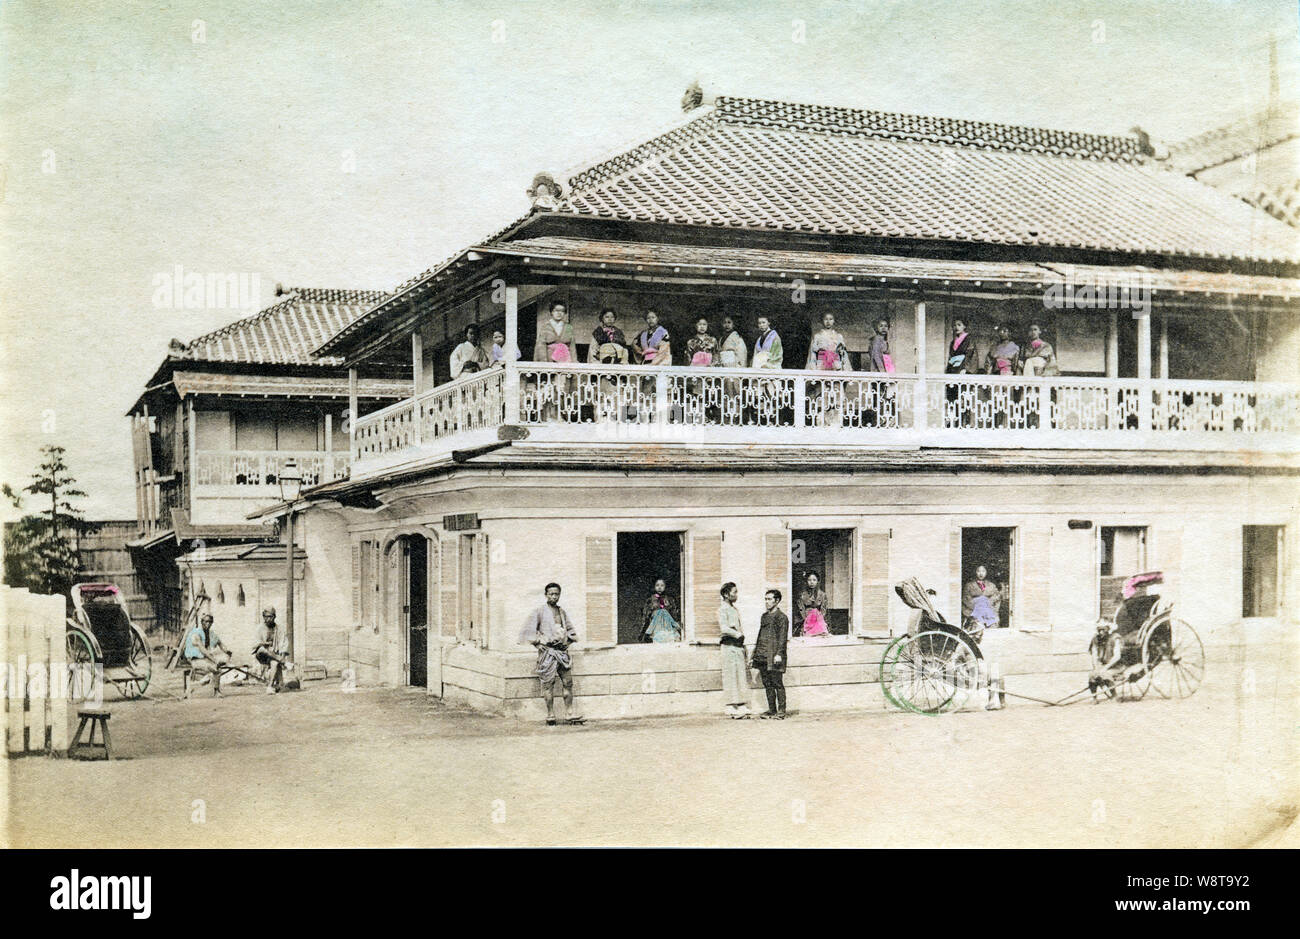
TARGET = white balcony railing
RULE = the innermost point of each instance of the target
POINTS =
(259, 471)
(588, 403)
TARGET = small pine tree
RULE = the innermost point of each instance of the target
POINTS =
(42, 550)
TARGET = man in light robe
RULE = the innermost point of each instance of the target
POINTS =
(468, 357)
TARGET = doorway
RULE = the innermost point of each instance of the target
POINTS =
(643, 557)
(827, 554)
(1122, 553)
(1261, 570)
(416, 561)
(992, 548)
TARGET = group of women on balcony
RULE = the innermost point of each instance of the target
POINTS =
(1036, 358)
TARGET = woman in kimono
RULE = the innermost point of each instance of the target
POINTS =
(1003, 358)
(981, 603)
(961, 361)
(468, 357)
(1038, 358)
(555, 344)
(659, 616)
(498, 354)
(732, 353)
(652, 347)
(767, 348)
(827, 353)
(608, 344)
(701, 352)
(702, 348)
(812, 608)
(555, 338)
(768, 354)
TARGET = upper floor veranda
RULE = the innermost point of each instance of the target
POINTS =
(1143, 359)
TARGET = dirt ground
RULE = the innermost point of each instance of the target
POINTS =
(391, 767)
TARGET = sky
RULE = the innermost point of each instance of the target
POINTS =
(347, 145)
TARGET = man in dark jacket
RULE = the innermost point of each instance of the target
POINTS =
(769, 654)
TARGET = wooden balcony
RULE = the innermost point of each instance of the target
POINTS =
(592, 404)
(256, 474)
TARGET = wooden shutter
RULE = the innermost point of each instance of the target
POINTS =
(376, 597)
(480, 622)
(776, 562)
(954, 576)
(1033, 608)
(874, 564)
(1169, 557)
(598, 584)
(356, 585)
(450, 592)
(706, 581)
(433, 589)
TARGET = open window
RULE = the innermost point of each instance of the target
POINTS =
(1261, 570)
(645, 557)
(1122, 552)
(821, 576)
(987, 559)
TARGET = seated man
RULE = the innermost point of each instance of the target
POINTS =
(205, 654)
(1107, 652)
(269, 651)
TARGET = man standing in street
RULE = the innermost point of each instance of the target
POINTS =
(735, 674)
(550, 631)
(769, 654)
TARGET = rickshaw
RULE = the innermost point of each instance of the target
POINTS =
(938, 666)
(100, 633)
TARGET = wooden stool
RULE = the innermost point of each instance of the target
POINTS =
(91, 716)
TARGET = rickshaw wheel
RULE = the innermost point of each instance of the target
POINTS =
(81, 662)
(1133, 689)
(930, 673)
(139, 662)
(1174, 659)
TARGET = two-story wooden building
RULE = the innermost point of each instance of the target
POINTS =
(218, 420)
(1167, 440)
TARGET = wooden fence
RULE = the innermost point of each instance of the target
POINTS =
(33, 672)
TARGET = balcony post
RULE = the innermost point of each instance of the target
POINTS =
(512, 356)
(417, 384)
(800, 399)
(1164, 345)
(661, 402)
(919, 402)
(1146, 390)
(352, 413)
(1112, 345)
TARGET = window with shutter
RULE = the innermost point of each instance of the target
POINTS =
(706, 581)
(479, 627)
(1034, 611)
(450, 587)
(601, 625)
(954, 611)
(356, 585)
(1169, 556)
(876, 588)
(375, 571)
(776, 562)
(434, 587)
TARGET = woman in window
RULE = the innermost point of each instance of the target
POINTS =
(812, 608)
(659, 616)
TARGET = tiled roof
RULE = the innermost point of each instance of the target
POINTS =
(1281, 202)
(751, 164)
(765, 263)
(285, 333)
(1236, 139)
